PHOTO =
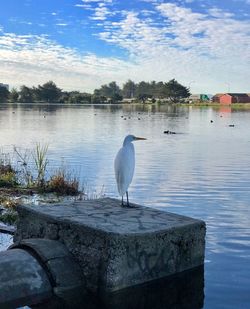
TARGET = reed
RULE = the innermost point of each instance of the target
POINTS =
(23, 158)
(41, 162)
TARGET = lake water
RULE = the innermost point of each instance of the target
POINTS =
(202, 171)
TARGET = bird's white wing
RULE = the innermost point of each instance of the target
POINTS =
(124, 168)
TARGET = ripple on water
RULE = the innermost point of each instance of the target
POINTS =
(203, 173)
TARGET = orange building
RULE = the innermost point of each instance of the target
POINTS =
(216, 97)
(230, 98)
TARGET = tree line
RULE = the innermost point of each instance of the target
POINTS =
(170, 91)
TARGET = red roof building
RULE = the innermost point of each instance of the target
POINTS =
(230, 98)
(216, 97)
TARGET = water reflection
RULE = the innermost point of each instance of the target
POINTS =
(183, 291)
(203, 173)
(225, 110)
(5, 241)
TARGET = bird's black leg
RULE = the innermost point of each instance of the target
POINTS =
(122, 201)
(127, 198)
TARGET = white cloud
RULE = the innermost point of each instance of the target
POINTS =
(134, 34)
(217, 37)
(100, 8)
(26, 23)
(101, 12)
(210, 48)
(62, 24)
(215, 12)
(90, 1)
(32, 60)
(85, 6)
(97, 1)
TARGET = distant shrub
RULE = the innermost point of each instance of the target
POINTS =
(5, 168)
(8, 180)
(63, 183)
(7, 173)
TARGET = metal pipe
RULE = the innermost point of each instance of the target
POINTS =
(23, 281)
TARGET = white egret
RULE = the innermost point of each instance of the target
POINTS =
(125, 165)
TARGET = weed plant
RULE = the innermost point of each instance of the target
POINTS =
(63, 183)
(31, 172)
(27, 172)
(7, 173)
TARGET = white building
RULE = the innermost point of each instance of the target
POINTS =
(4, 85)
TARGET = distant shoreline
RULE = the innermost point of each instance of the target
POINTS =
(203, 104)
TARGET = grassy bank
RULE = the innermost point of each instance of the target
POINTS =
(217, 105)
(24, 173)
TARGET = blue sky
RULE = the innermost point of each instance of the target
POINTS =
(82, 44)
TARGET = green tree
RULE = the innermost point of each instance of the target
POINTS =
(48, 92)
(105, 91)
(111, 91)
(4, 94)
(97, 92)
(129, 89)
(13, 95)
(143, 97)
(26, 95)
(143, 91)
(116, 97)
(98, 99)
(77, 97)
(157, 89)
(85, 98)
(175, 91)
(64, 98)
(115, 91)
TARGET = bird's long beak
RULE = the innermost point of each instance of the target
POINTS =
(139, 138)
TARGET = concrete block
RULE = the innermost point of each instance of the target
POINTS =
(117, 247)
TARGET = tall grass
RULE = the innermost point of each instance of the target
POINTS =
(30, 172)
(23, 160)
(41, 162)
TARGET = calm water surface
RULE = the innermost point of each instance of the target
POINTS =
(203, 171)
